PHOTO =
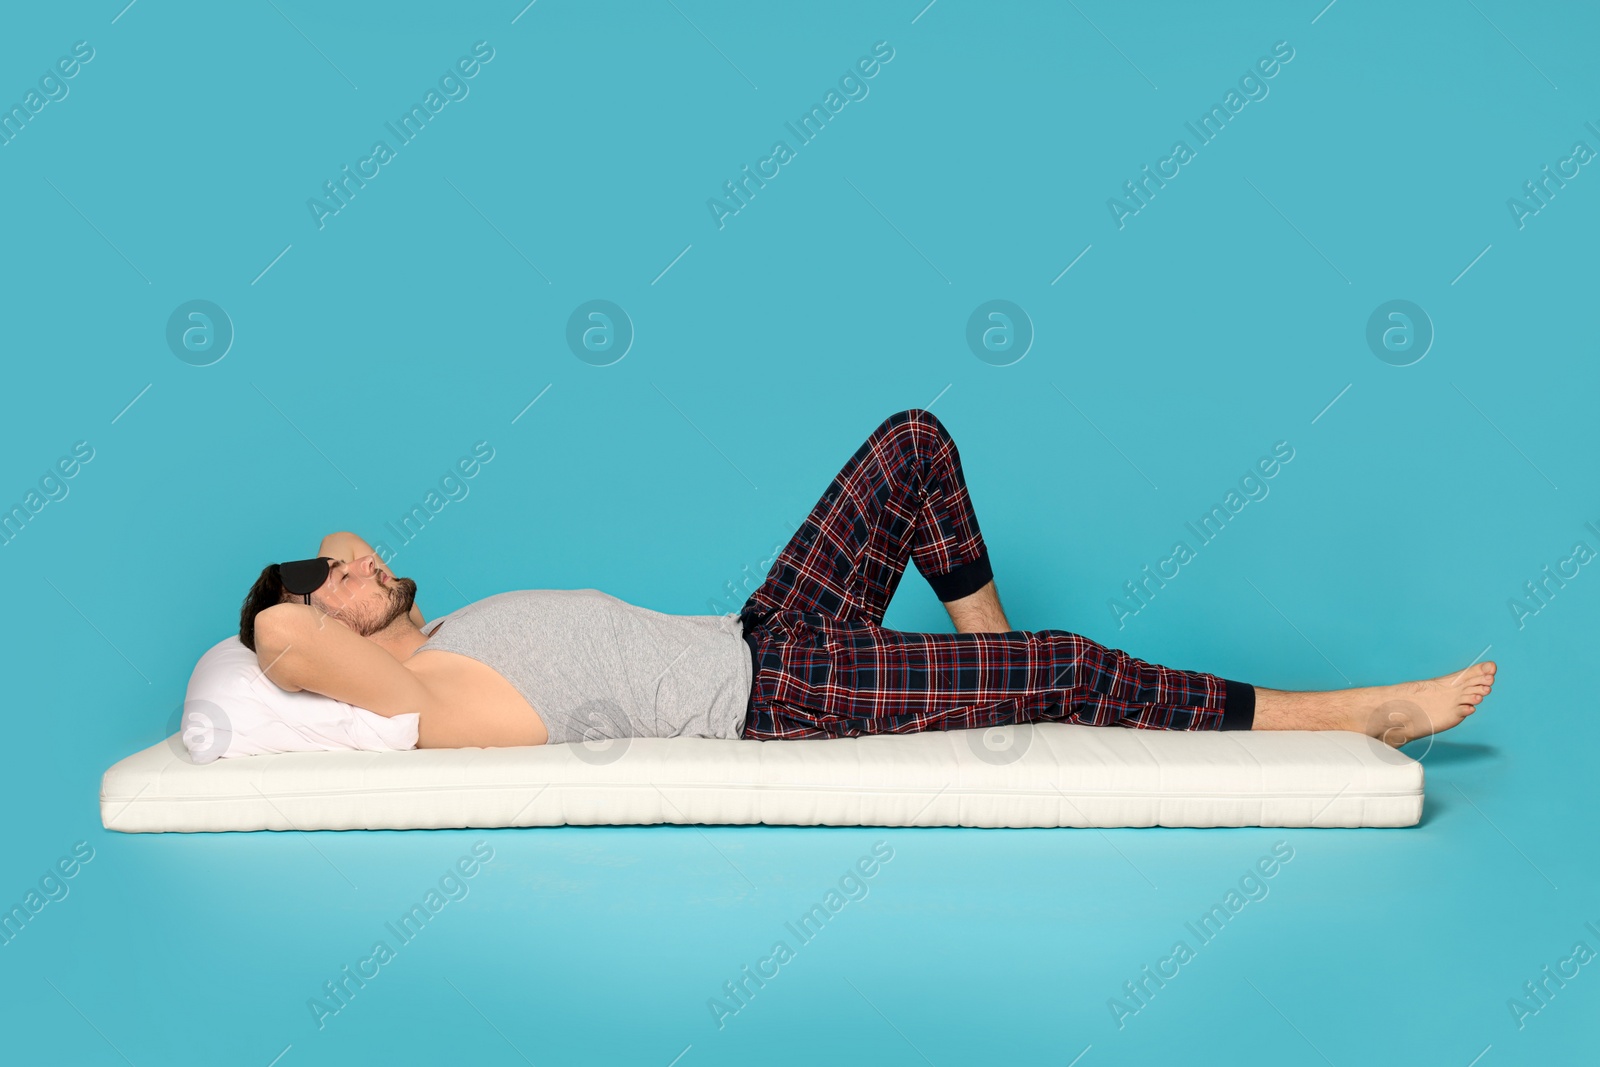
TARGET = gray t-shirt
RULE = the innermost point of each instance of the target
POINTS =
(595, 667)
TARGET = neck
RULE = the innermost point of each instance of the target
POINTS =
(400, 638)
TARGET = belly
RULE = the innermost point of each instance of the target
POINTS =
(471, 705)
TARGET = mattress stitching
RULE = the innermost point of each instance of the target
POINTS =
(886, 791)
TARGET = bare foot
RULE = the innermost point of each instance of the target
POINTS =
(1394, 714)
(1411, 710)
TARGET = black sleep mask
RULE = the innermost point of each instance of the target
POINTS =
(302, 577)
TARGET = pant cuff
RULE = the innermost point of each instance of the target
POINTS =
(1239, 705)
(965, 580)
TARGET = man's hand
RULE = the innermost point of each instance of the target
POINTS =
(344, 546)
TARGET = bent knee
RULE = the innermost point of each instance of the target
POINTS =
(914, 420)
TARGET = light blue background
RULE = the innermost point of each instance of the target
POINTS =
(1224, 317)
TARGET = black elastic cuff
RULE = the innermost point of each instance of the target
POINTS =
(964, 580)
(755, 658)
(1239, 705)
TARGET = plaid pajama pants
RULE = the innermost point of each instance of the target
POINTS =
(824, 665)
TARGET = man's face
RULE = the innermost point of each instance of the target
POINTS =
(364, 595)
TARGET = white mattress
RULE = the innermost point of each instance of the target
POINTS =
(1050, 774)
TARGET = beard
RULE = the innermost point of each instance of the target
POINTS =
(400, 594)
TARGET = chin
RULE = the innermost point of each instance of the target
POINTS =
(408, 592)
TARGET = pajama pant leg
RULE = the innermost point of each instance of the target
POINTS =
(824, 666)
(901, 496)
(836, 679)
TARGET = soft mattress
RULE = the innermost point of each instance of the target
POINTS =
(1041, 775)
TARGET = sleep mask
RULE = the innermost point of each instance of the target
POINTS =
(302, 577)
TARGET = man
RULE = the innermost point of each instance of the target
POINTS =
(807, 656)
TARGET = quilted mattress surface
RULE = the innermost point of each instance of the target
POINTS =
(1042, 775)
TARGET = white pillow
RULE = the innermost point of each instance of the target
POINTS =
(232, 708)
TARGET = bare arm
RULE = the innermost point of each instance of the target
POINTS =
(299, 647)
(348, 547)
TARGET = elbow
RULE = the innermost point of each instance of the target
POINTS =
(275, 641)
(335, 541)
(345, 545)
